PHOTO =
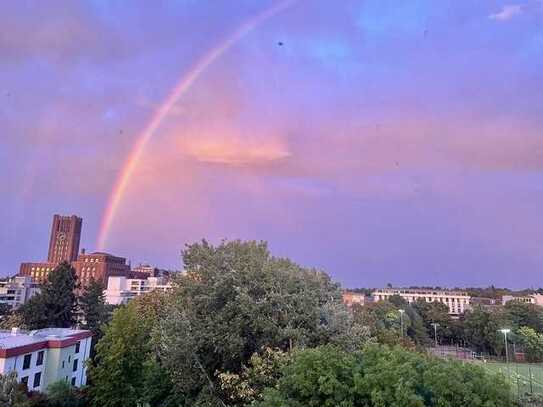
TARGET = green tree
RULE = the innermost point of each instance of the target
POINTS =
(11, 393)
(524, 314)
(481, 328)
(61, 394)
(125, 371)
(438, 313)
(263, 370)
(532, 343)
(383, 376)
(236, 299)
(93, 307)
(55, 306)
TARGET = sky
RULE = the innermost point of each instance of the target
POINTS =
(380, 141)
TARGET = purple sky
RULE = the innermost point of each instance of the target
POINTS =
(383, 141)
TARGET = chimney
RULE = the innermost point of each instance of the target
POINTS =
(14, 331)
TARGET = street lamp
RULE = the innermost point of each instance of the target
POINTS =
(505, 332)
(401, 319)
(435, 325)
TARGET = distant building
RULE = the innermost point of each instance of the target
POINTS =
(65, 238)
(99, 266)
(145, 269)
(17, 290)
(64, 246)
(536, 299)
(45, 356)
(120, 289)
(456, 301)
(350, 298)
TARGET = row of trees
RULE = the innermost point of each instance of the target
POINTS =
(479, 328)
(245, 328)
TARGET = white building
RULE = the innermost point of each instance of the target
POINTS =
(17, 290)
(45, 356)
(456, 301)
(121, 289)
(536, 299)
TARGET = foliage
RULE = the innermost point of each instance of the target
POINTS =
(55, 305)
(482, 329)
(11, 393)
(382, 376)
(125, 371)
(532, 342)
(263, 370)
(525, 314)
(436, 312)
(14, 320)
(92, 305)
(384, 322)
(61, 394)
(236, 299)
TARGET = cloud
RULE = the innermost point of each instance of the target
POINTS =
(507, 12)
(235, 151)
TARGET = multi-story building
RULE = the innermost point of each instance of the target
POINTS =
(17, 290)
(350, 298)
(45, 356)
(456, 301)
(536, 299)
(121, 289)
(64, 239)
(99, 266)
(64, 246)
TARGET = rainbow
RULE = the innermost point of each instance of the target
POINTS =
(186, 81)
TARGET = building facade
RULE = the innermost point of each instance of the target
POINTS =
(65, 238)
(536, 299)
(457, 301)
(17, 290)
(99, 266)
(45, 356)
(64, 246)
(120, 289)
(350, 298)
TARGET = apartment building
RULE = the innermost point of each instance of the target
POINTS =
(45, 356)
(536, 299)
(121, 289)
(17, 290)
(456, 301)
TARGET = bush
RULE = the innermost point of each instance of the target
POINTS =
(383, 376)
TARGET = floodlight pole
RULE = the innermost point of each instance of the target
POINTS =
(401, 319)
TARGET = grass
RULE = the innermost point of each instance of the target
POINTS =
(519, 375)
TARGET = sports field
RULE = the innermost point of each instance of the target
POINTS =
(524, 377)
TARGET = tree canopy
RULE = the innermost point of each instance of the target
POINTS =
(56, 304)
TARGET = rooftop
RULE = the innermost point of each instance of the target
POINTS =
(16, 338)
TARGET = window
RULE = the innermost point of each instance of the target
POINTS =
(37, 380)
(73, 381)
(39, 362)
(77, 347)
(75, 365)
(63, 368)
(26, 361)
(24, 380)
(69, 359)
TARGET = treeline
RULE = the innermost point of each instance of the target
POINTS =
(482, 292)
(425, 323)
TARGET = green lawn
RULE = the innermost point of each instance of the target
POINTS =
(519, 375)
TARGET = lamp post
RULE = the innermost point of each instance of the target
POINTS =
(435, 325)
(401, 311)
(505, 332)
